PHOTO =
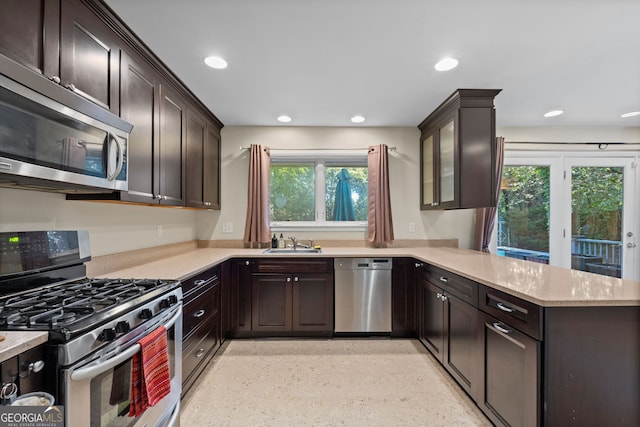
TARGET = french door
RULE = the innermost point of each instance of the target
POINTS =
(571, 211)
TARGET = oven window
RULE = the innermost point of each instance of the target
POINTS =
(111, 391)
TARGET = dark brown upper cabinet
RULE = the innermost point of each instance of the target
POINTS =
(457, 152)
(203, 162)
(30, 34)
(89, 56)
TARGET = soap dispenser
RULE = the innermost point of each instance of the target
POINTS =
(281, 244)
(274, 241)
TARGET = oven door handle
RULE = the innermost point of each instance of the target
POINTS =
(95, 370)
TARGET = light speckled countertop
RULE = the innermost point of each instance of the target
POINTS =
(16, 342)
(540, 284)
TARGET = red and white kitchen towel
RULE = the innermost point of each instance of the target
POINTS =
(150, 377)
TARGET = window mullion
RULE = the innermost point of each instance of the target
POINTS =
(320, 191)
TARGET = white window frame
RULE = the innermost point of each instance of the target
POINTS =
(320, 158)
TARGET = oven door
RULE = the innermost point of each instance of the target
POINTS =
(97, 393)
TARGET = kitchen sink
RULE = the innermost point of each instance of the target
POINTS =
(292, 251)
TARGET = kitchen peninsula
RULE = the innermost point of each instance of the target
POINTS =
(531, 344)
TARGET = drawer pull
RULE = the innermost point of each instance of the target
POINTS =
(200, 352)
(500, 328)
(503, 307)
(198, 313)
(444, 279)
(199, 282)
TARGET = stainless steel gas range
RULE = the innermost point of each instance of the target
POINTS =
(94, 325)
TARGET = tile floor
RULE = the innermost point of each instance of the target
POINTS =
(337, 382)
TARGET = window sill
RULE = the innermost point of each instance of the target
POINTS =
(318, 226)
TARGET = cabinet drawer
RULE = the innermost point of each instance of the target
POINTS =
(203, 341)
(465, 289)
(208, 276)
(517, 313)
(200, 308)
(294, 265)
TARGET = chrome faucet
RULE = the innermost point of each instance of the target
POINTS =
(294, 241)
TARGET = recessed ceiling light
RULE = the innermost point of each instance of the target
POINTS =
(284, 119)
(631, 114)
(215, 62)
(446, 64)
(553, 113)
(357, 119)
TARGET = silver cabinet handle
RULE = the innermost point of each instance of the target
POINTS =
(288, 279)
(631, 245)
(71, 87)
(505, 308)
(444, 297)
(200, 352)
(295, 279)
(198, 313)
(246, 263)
(55, 79)
(419, 264)
(500, 328)
(439, 295)
(199, 282)
(444, 279)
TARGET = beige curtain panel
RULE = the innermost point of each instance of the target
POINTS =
(256, 229)
(380, 221)
(486, 217)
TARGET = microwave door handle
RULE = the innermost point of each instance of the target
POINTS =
(120, 154)
(93, 371)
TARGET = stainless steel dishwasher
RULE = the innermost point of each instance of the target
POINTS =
(362, 295)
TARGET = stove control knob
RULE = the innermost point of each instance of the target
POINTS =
(172, 299)
(164, 303)
(123, 327)
(145, 314)
(108, 334)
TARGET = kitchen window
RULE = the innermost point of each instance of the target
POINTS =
(312, 191)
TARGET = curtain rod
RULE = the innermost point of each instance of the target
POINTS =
(599, 144)
(322, 149)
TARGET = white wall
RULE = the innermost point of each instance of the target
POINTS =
(404, 171)
(112, 227)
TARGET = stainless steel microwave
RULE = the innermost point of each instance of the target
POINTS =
(49, 146)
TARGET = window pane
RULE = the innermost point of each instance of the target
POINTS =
(292, 192)
(346, 197)
(523, 213)
(596, 219)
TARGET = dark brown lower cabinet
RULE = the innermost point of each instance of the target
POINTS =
(449, 329)
(403, 296)
(201, 324)
(511, 375)
(271, 302)
(292, 303)
(240, 297)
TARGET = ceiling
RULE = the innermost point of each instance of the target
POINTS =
(323, 61)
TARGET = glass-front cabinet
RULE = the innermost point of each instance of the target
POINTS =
(457, 152)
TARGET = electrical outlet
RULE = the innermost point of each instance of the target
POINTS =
(159, 230)
(227, 227)
(412, 227)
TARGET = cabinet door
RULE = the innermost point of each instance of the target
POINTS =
(196, 134)
(241, 295)
(211, 168)
(511, 375)
(432, 326)
(139, 104)
(447, 165)
(89, 56)
(171, 148)
(30, 34)
(427, 165)
(271, 302)
(461, 343)
(312, 302)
